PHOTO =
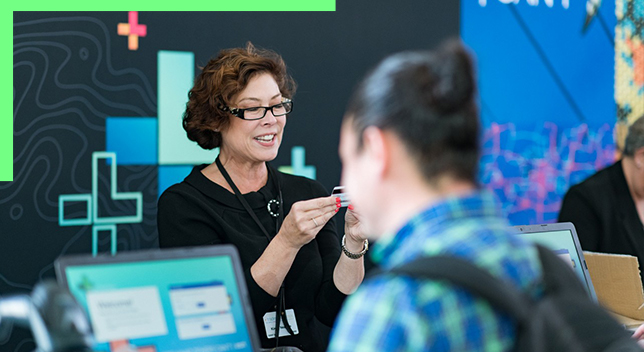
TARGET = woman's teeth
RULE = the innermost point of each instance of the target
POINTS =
(266, 138)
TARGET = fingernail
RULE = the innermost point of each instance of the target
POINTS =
(337, 209)
(338, 200)
(350, 206)
(338, 205)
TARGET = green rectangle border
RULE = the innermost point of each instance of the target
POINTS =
(157, 5)
(6, 122)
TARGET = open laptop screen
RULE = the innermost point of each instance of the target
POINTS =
(184, 300)
(562, 239)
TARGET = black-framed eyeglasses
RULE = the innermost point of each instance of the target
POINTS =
(258, 112)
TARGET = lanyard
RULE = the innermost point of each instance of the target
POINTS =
(278, 219)
(281, 302)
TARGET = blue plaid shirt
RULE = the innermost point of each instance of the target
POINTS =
(399, 313)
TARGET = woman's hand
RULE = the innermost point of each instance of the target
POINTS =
(354, 230)
(349, 272)
(306, 219)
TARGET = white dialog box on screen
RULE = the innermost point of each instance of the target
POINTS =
(126, 313)
(202, 310)
(207, 325)
(199, 299)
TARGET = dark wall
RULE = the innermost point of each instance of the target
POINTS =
(72, 71)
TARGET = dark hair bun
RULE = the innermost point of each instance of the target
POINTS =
(454, 84)
(200, 132)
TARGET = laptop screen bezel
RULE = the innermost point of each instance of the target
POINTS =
(563, 226)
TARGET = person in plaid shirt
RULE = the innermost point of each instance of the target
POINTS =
(409, 148)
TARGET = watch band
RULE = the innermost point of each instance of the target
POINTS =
(351, 254)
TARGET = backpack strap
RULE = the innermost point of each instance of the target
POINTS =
(460, 272)
(557, 275)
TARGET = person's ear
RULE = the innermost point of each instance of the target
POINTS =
(375, 148)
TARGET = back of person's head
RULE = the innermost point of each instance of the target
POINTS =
(220, 81)
(428, 100)
(634, 138)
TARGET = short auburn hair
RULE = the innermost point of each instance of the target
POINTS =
(219, 81)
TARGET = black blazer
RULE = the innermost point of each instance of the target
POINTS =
(604, 213)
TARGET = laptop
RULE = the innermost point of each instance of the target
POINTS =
(170, 300)
(562, 239)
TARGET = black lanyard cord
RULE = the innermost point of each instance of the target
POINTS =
(281, 302)
(244, 202)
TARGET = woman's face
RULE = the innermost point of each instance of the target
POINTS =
(255, 140)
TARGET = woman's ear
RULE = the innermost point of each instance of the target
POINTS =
(217, 126)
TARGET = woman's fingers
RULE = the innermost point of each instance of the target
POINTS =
(315, 213)
(324, 203)
(316, 207)
(306, 218)
(323, 214)
(639, 333)
(353, 228)
(323, 217)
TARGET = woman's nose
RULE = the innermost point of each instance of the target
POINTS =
(269, 118)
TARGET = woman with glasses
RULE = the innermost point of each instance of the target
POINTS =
(281, 224)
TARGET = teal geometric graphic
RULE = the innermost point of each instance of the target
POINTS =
(298, 165)
(98, 228)
(87, 198)
(107, 223)
(137, 196)
(176, 74)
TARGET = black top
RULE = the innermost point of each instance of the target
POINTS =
(198, 211)
(604, 214)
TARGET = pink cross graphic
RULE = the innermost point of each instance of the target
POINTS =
(133, 30)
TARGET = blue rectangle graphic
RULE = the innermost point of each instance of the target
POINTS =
(133, 139)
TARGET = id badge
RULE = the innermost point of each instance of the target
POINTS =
(269, 324)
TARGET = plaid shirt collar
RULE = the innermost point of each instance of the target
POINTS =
(432, 223)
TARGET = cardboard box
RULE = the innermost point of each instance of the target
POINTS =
(618, 284)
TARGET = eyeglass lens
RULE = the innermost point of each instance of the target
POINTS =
(259, 112)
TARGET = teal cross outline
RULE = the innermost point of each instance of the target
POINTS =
(298, 164)
(107, 223)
